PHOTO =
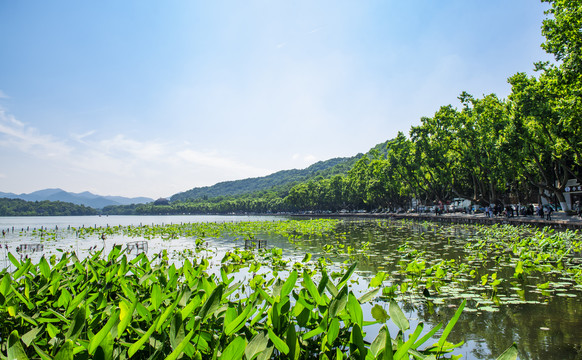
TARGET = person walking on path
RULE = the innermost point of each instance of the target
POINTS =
(549, 212)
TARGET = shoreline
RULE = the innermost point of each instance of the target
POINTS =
(559, 220)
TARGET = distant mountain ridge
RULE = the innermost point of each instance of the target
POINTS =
(84, 198)
(283, 179)
(246, 186)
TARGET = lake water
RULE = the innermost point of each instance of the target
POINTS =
(544, 327)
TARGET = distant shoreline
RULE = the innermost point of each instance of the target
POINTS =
(559, 220)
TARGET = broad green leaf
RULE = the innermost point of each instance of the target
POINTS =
(66, 351)
(22, 269)
(30, 336)
(15, 349)
(156, 296)
(347, 275)
(105, 349)
(338, 303)
(355, 310)
(357, 341)
(77, 299)
(379, 314)
(398, 316)
(333, 331)
(239, 321)
(379, 342)
(378, 279)
(125, 315)
(167, 313)
(265, 296)
(330, 286)
(27, 318)
(276, 288)
(509, 354)
(28, 304)
(310, 286)
(5, 287)
(279, 344)
(257, 344)
(77, 324)
(102, 334)
(44, 267)
(135, 346)
(266, 354)
(43, 355)
(186, 311)
(289, 283)
(235, 350)
(181, 346)
(14, 261)
(177, 332)
(292, 343)
(368, 296)
(318, 330)
(211, 303)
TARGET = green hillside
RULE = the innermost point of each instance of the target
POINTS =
(18, 207)
(279, 181)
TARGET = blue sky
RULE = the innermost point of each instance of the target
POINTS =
(150, 98)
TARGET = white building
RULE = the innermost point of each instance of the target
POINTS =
(573, 192)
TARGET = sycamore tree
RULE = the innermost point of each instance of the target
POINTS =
(482, 143)
(547, 110)
(563, 33)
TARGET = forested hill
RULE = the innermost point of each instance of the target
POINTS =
(278, 181)
(19, 207)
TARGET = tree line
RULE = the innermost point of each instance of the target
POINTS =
(18, 207)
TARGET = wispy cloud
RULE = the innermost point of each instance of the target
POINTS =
(81, 137)
(16, 134)
(317, 29)
(90, 161)
(3, 95)
(212, 159)
(304, 159)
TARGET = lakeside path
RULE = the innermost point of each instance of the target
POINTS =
(559, 219)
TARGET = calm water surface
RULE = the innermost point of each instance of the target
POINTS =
(545, 327)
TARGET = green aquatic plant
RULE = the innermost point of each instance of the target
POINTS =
(112, 307)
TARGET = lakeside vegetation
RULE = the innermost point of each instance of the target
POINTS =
(252, 305)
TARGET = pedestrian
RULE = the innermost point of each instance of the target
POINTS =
(549, 212)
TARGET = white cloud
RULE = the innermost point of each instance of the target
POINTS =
(14, 133)
(3, 95)
(213, 160)
(303, 160)
(80, 137)
(117, 165)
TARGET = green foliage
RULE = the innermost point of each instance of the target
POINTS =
(18, 207)
(118, 316)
